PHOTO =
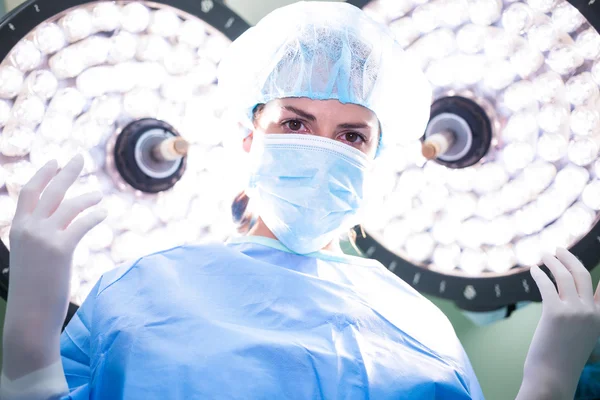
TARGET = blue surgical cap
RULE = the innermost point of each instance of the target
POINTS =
(322, 51)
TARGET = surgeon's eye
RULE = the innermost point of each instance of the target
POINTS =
(294, 125)
(354, 137)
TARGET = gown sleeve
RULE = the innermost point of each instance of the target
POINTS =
(75, 349)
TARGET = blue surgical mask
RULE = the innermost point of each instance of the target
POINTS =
(307, 189)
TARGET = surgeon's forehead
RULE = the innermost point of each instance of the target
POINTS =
(330, 107)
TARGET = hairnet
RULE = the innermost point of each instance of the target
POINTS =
(327, 51)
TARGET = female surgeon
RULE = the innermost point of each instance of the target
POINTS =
(280, 313)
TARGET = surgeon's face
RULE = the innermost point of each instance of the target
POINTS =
(351, 124)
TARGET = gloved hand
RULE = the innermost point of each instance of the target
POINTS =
(567, 331)
(43, 238)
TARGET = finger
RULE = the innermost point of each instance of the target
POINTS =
(562, 276)
(581, 276)
(55, 192)
(78, 229)
(544, 284)
(70, 209)
(30, 193)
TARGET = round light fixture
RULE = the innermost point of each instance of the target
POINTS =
(131, 86)
(508, 167)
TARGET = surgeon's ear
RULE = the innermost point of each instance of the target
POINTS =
(247, 144)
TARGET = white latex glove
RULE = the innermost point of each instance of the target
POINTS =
(567, 331)
(43, 238)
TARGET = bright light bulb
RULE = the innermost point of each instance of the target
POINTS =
(500, 259)
(8, 207)
(178, 88)
(585, 121)
(500, 231)
(470, 38)
(445, 258)
(11, 80)
(473, 261)
(526, 60)
(87, 132)
(77, 24)
(542, 5)
(549, 86)
(56, 127)
(192, 33)
(135, 17)
(567, 18)
(67, 63)
(433, 197)
(552, 146)
(578, 219)
(454, 12)
(426, 17)
(485, 12)
(396, 233)
(564, 59)
(100, 237)
(499, 44)
(490, 177)
(462, 180)
(588, 44)
(461, 205)
(204, 72)
(489, 206)
(420, 219)
(445, 230)
(530, 219)
(25, 56)
(521, 126)
(106, 17)
(19, 173)
(499, 75)
(123, 47)
(93, 81)
(554, 236)
(164, 22)
(141, 103)
(581, 89)
(43, 151)
(5, 111)
(591, 195)
(405, 30)
(128, 245)
(571, 180)
(41, 83)
(419, 247)
(49, 38)
(29, 111)
(528, 251)
(68, 101)
(179, 60)
(519, 95)
(583, 150)
(106, 109)
(470, 233)
(542, 36)
(16, 140)
(517, 155)
(152, 48)
(539, 175)
(553, 117)
(517, 18)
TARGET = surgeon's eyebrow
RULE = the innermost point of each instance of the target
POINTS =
(357, 125)
(301, 113)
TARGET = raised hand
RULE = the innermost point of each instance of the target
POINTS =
(567, 331)
(43, 237)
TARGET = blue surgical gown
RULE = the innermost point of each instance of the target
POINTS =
(250, 320)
